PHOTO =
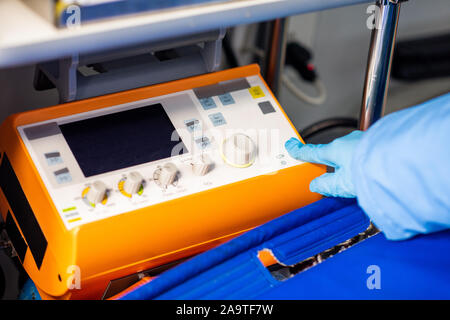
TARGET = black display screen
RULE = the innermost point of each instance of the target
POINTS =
(120, 140)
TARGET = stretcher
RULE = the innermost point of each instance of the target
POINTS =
(374, 268)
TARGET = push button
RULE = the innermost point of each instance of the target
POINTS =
(53, 158)
(217, 119)
(226, 99)
(256, 92)
(192, 125)
(203, 142)
(266, 107)
(208, 103)
(63, 176)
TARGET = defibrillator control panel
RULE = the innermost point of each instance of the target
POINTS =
(110, 161)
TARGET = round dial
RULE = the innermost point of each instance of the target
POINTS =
(239, 150)
(132, 184)
(166, 175)
(96, 193)
(202, 165)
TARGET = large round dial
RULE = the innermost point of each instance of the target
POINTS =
(239, 150)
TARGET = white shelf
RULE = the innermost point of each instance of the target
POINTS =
(27, 38)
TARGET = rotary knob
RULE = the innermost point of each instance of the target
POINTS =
(96, 193)
(239, 150)
(165, 175)
(202, 165)
(132, 184)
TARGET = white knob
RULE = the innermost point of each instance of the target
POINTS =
(97, 192)
(202, 165)
(133, 183)
(239, 150)
(167, 174)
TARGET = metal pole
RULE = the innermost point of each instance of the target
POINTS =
(277, 53)
(379, 62)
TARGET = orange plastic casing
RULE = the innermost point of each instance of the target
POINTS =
(136, 241)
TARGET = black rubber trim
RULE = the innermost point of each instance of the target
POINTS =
(16, 238)
(22, 211)
(327, 124)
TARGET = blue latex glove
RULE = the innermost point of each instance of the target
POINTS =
(401, 170)
(337, 154)
(398, 169)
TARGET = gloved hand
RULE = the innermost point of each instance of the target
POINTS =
(337, 154)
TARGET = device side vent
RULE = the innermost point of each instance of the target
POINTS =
(16, 238)
(22, 211)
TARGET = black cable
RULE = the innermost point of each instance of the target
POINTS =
(327, 124)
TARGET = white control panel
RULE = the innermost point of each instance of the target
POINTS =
(119, 159)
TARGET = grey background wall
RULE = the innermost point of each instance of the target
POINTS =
(339, 39)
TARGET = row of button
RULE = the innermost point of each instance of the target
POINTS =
(218, 119)
(62, 176)
(208, 103)
(194, 127)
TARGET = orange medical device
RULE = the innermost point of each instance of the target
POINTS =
(95, 190)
